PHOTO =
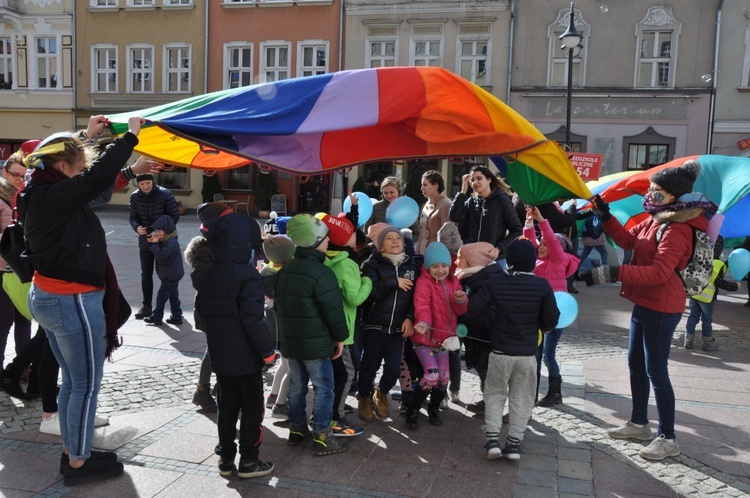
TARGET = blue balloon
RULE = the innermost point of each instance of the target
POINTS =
(739, 263)
(402, 212)
(364, 205)
(568, 307)
(461, 330)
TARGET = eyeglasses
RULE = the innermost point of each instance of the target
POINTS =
(15, 175)
(651, 190)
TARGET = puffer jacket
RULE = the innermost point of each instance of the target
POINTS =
(65, 238)
(355, 289)
(7, 193)
(230, 301)
(523, 305)
(651, 279)
(167, 252)
(309, 307)
(435, 306)
(198, 256)
(492, 220)
(557, 265)
(388, 306)
(146, 208)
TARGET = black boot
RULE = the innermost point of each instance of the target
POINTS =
(412, 411)
(554, 396)
(405, 400)
(433, 409)
(10, 381)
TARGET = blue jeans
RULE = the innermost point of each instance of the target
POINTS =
(76, 330)
(602, 250)
(168, 291)
(548, 355)
(700, 311)
(320, 373)
(648, 354)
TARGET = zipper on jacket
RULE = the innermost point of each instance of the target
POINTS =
(395, 299)
(481, 218)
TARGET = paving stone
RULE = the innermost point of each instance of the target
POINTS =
(575, 486)
(575, 469)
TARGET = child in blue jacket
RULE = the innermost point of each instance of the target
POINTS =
(169, 268)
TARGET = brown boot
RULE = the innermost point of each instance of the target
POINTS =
(382, 404)
(365, 408)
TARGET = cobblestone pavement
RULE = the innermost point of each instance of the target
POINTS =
(167, 445)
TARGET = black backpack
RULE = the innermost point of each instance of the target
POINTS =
(594, 227)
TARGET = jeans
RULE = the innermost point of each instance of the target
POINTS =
(648, 354)
(320, 373)
(242, 393)
(76, 330)
(168, 291)
(147, 275)
(548, 353)
(602, 250)
(703, 312)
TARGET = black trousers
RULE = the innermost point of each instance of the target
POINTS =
(243, 393)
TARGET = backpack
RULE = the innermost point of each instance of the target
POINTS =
(593, 227)
(697, 274)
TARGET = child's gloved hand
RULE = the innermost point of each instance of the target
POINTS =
(269, 358)
(601, 208)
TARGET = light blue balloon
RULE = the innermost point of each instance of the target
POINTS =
(364, 205)
(568, 307)
(739, 263)
(402, 212)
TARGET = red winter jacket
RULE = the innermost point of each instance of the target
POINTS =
(435, 306)
(558, 265)
(650, 280)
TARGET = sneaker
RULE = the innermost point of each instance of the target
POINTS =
(477, 407)
(493, 449)
(92, 470)
(280, 411)
(342, 428)
(689, 340)
(348, 408)
(512, 451)
(50, 425)
(455, 398)
(100, 421)
(660, 448)
(225, 467)
(631, 431)
(397, 395)
(709, 344)
(572, 289)
(298, 434)
(150, 320)
(254, 468)
(174, 320)
(95, 455)
(444, 403)
(12, 385)
(143, 312)
(325, 444)
(271, 400)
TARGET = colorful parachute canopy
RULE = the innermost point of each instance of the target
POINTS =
(723, 179)
(318, 124)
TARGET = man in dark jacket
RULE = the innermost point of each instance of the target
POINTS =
(313, 328)
(524, 304)
(230, 303)
(146, 204)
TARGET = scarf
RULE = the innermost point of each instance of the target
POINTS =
(702, 203)
(462, 273)
(395, 259)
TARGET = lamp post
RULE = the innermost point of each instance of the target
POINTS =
(571, 40)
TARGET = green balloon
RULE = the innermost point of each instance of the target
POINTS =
(461, 330)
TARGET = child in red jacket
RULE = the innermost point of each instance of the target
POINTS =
(438, 300)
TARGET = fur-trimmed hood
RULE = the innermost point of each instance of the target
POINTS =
(195, 248)
(683, 216)
(7, 192)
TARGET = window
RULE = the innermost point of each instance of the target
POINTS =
(647, 149)
(178, 2)
(238, 64)
(103, 3)
(174, 178)
(275, 62)
(473, 58)
(656, 48)
(140, 3)
(239, 178)
(745, 83)
(427, 45)
(6, 63)
(557, 69)
(312, 58)
(177, 67)
(140, 68)
(382, 46)
(104, 64)
(46, 61)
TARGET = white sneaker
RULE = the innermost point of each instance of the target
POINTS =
(51, 425)
(660, 448)
(631, 431)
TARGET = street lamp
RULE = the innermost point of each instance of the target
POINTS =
(571, 40)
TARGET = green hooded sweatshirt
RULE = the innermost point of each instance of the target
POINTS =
(354, 288)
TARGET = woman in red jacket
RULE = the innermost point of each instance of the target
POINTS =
(652, 283)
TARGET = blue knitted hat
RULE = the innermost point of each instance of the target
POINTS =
(436, 253)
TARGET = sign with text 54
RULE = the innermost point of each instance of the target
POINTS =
(588, 166)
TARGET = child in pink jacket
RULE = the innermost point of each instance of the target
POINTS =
(438, 300)
(556, 265)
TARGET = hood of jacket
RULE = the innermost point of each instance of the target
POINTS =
(165, 223)
(194, 247)
(690, 216)
(232, 239)
(7, 192)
